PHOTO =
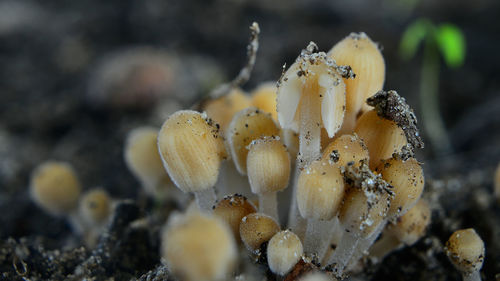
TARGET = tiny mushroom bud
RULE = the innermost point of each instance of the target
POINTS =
(246, 126)
(345, 149)
(406, 230)
(143, 160)
(268, 165)
(55, 188)
(95, 207)
(198, 247)
(232, 209)
(364, 57)
(192, 151)
(256, 229)
(465, 249)
(283, 252)
(320, 190)
(407, 180)
(222, 109)
(264, 98)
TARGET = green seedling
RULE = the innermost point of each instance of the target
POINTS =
(448, 41)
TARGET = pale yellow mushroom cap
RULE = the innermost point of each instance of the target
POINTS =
(364, 57)
(191, 149)
(143, 159)
(95, 206)
(264, 98)
(345, 149)
(248, 125)
(283, 252)
(256, 229)
(320, 190)
(55, 187)
(465, 249)
(312, 74)
(232, 209)
(268, 165)
(410, 227)
(222, 109)
(199, 247)
(383, 137)
(407, 180)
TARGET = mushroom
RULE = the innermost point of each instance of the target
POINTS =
(465, 249)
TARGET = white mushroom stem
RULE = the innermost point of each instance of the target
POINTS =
(474, 276)
(231, 182)
(310, 124)
(205, 199)
(76, 222)
(268, 205)
(365, 243)
(343, 252)
(295, 221)
(318, 236)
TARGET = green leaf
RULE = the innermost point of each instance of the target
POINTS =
(451, 43)
(412, 37)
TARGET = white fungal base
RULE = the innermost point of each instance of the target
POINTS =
(295, 221)
(474, 276)
(365, 243)
(205, 199)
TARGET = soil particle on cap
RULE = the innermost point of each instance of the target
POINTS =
(390, 105)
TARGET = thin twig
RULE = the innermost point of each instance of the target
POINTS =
(245, 72)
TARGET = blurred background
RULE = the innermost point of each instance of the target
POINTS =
(76, 76)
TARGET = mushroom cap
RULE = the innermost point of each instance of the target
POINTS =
(465, 249)
(199, 247)
(320, 190)
(256, 229)
(312, 74)
(143, 159)
(191, 150)
(345, 149)
(407, 180)
(264, 98)
(410, 227)
(248, 125)
(232, 209)
(222, 109)
(55, 187)
(284, 250)
(95, 206)
(364, 57)
(268, 165)
(383, 137)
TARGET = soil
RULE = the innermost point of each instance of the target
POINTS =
(51, 50)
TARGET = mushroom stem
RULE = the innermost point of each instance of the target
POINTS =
(365, 243)
(268, 205)
(310, 124)
(295, 221)
(205, 199)
(343, 252)
(474, 276)
(318, 236)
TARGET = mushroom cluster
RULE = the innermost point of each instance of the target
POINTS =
(303, 177)
(354, 177)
